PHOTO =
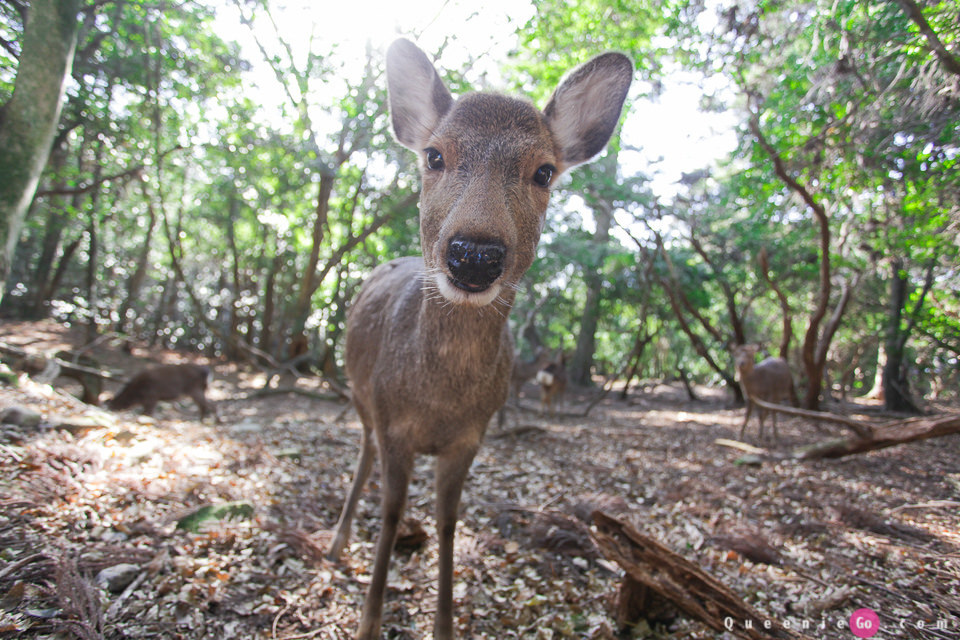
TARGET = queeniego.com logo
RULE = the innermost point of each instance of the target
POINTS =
(862, 623)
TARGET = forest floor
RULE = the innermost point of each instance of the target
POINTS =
(805, 542)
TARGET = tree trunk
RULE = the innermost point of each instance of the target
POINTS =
(814, 347)
(139, 275)
(640, 342)
(62, 266)
(301, 313)
(233, 337)
(31, 116)
(56, 222)
(876, 390)
(582, 362)
(896, 385)
(269, 303)
(93, 259)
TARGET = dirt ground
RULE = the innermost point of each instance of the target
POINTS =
(806, 543)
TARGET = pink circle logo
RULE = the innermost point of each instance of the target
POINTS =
(864, 623)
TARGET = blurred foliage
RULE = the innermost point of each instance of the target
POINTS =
(182, 205)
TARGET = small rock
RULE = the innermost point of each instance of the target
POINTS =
(118, 577)
(749, 460)
(20, 417)
(247, 426)
(79, 425)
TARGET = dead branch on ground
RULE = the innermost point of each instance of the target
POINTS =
(656, 575)
(889, 435)
(869, 437)
(313, 395)
(862, 429)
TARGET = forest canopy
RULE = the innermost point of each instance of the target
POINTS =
(220, 176)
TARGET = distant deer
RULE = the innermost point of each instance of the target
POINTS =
(769, 380)
(526, 370)
(165, 382)
(428, 349)
(553, 384)
(522, 372)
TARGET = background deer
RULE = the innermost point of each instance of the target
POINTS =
(166, 382)
(428, 350)
(769, 380)
(553, 384)
(522, 372)
(525, 370)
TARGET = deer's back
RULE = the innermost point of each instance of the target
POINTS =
(771, 379)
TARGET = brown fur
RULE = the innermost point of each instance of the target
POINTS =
(524, 371)
(165, 382)
(769, 380)
(553, 385)
(428, 350)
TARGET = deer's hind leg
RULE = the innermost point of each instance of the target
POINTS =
(360, 476)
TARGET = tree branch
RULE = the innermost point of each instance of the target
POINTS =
(93, 184)
(918, 307)
(949, 61)
(134, 172)
(787, 319)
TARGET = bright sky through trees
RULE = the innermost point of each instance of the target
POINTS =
(664, 137)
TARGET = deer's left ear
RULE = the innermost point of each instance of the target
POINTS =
(585, 108)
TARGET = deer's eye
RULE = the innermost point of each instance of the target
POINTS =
(434, 159)
(544, 175)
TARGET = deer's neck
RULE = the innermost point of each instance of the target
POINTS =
(463, 337)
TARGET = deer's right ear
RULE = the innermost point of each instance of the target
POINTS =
(418, 98)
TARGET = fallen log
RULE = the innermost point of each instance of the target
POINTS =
(275, 391)
(889, 435)
(45, 368)
(860, 428)
(654, 573)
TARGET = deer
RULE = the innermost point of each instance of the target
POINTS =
(165, 382)
(525, 370)
(522, 372)
(553, 384)
(428, 350)
(769, 380)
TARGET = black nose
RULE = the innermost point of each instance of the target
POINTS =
(473, 265)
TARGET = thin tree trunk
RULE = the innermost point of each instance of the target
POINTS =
(301, 311)
(896, 385)
(814, 346)
(62, 266)
(269, 303)
(640, 343)
(31, 116)
(50, 243)
(787, 318)
(139, 275)
(581, 365)
(876, 390)
(233, 337)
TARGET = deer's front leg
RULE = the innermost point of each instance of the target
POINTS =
(396, 466)
(452, 468)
